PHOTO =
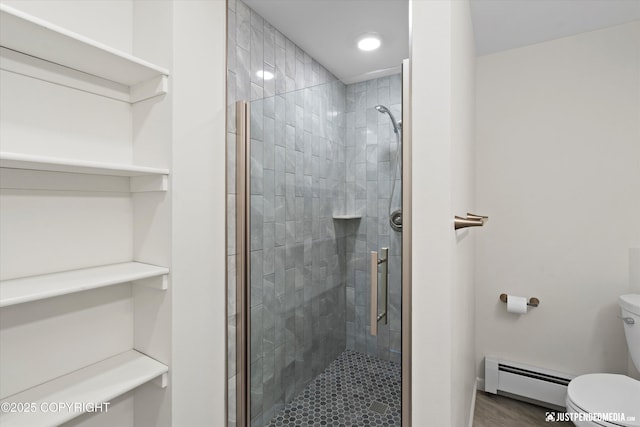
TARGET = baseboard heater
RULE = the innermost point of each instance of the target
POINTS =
(530, 383)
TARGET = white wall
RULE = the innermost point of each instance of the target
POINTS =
(442, 55)
(198, 170)
(463, 201)
(106, 21)
(558, 171)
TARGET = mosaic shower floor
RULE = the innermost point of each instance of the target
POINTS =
(343, 394)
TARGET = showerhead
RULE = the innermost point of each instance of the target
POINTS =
(384, 110)
(395, 217)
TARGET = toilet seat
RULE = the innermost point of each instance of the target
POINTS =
(606, 393)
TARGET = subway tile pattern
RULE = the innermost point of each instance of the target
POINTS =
(373, 168)
(343, 393)
(318, 148)
(297, 168)
(297, 254)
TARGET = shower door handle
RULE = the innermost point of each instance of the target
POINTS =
(374, 316)
(374, 294)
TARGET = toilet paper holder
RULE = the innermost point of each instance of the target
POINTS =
(533, 301)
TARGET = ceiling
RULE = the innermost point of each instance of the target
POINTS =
(501, 25)
(328, 29)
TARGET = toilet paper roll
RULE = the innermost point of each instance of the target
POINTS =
(517, 305)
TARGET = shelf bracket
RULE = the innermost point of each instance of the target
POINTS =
(162, 381)
(156, 86)
(141, 184)
(160, 283)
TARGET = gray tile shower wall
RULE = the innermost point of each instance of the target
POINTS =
(318, 148)
(298, 261)
(297, 255)
(372, 168)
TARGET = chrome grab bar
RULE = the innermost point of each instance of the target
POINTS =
(375, 317)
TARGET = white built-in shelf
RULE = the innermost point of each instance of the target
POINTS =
(353, 216)
(100, 382)
(32, 36)
(21, 290)
(143, 178)
(58, 164)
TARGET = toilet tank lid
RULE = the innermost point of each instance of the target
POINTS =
(630, 302)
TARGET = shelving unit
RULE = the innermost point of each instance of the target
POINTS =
(135, 79)
(18, 291)
(66, 212)
(100, 382)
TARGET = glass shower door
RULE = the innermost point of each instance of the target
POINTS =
(320, 167)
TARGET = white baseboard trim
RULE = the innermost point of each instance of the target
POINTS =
(472, 410)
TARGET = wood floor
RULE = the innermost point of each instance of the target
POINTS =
(500, 411)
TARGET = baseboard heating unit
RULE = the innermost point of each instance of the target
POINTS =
(545, 387)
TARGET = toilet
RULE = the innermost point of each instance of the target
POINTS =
(612, 395)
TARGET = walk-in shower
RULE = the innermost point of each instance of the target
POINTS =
(315, 170)
(395, 201)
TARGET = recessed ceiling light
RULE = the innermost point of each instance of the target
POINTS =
(262, 74)
(369, 42)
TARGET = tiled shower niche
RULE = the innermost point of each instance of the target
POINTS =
(319, 149)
